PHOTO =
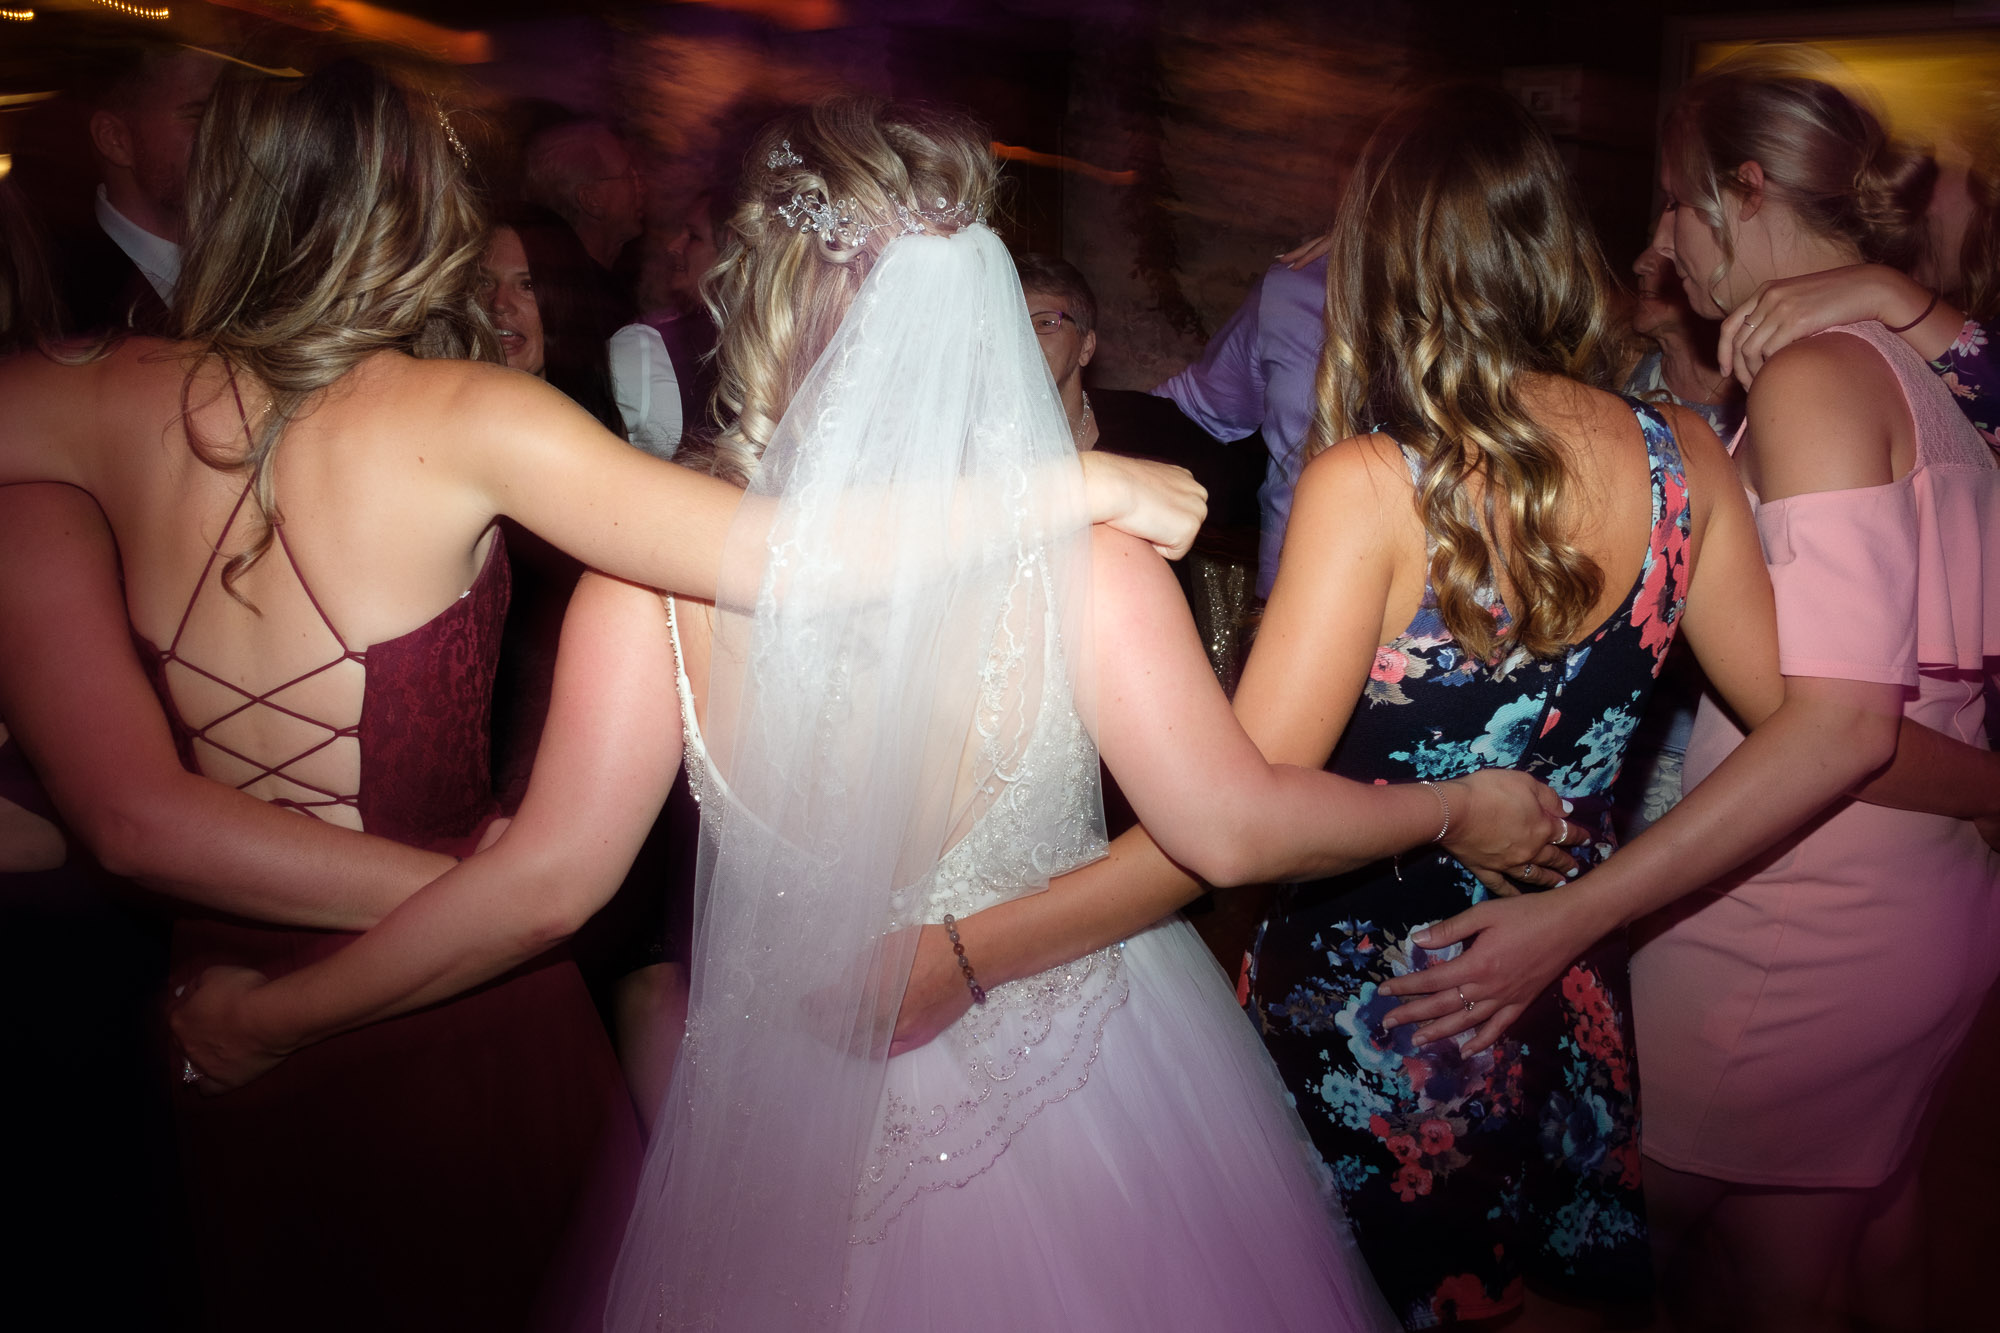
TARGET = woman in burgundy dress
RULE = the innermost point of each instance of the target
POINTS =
(304, 489)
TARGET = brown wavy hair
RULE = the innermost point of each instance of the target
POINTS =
(778, 293)
(331, 219)
(1462, 262)
(1825, 153)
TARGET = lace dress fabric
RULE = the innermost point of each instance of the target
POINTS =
(421, 1172)
(1101, 1146)
(1464, 1174)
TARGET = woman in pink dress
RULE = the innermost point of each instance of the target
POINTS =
(1795, 1015)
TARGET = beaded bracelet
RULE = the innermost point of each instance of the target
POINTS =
(1438, 792)
(1905, 328)
(964, 964)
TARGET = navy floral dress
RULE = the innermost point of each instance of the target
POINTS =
(1465, 1174)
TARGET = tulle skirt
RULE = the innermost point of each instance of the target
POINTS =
(1173, 1188)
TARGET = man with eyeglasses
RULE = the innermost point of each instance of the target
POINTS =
(1216, 576)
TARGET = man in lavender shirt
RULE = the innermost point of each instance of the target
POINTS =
(1257, 373)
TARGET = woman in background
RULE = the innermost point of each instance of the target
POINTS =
(555, 319)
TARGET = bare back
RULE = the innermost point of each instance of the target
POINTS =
(385, 528)
(1607, 513)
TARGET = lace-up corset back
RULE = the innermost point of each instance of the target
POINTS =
(421, 735)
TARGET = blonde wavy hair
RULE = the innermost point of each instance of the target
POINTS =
(1463, 262)
(1824, 151)
(778, 291)
(331, 219)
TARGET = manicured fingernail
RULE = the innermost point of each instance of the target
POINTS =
(1423, 936)
(1572, 872)
(1568, 808)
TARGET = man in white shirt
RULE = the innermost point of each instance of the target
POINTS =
(142, 126)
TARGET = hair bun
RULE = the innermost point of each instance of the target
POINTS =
(1892, 193)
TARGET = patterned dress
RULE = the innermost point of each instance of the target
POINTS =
(1463, 1174)
(1974, 380)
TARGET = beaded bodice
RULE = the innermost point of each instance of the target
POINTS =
(1034, 1040)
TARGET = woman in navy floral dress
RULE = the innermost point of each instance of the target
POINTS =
(1483, 573)
(1538, 1135)
(1499, 569)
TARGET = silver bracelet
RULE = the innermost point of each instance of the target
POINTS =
(1443, 804)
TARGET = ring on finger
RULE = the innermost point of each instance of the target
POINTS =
(1528, 871)
(1749, 323)
(1462, 1000)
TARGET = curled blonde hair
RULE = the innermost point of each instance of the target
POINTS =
(1462, 261)
(1824, 151)
(331, 219)
(779, 291)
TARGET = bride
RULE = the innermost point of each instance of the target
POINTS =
(888, 727)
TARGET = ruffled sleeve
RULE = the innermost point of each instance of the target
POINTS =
(1958, 566)
(1845, 569)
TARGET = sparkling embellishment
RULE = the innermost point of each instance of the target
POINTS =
(944, 215)
(833, 222)
(782, 156)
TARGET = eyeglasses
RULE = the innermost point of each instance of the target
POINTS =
(1048, 322)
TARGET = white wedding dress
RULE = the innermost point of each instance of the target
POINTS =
(1102, 1147)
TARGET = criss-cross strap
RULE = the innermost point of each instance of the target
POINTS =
(266, 698)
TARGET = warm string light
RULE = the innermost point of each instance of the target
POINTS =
(18, 15)
(137, 11)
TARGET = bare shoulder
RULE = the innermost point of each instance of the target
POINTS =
(1361, 486)
(493, 390)
(1704, 460)
(71, 405)
(1823, 414)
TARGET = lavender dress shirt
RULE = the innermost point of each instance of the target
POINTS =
(1257, 373)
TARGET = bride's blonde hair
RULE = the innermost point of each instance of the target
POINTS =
(331, 219)
(780, 288)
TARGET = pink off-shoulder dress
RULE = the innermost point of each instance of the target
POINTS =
(1794, 1018)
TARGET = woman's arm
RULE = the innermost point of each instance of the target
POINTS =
(1788, 309)
(525, 450)
(607, 760)
(1211, 798)
(1817, 417)
(1157, 731)
(78, 702)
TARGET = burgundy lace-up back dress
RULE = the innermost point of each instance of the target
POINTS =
(421, 1172)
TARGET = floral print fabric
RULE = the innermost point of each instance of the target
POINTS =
(1464, 1174)
(1969, 371)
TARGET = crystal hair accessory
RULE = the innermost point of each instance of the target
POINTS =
(782, 156)
(451, 135)
(834, 222)
(945, 214)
